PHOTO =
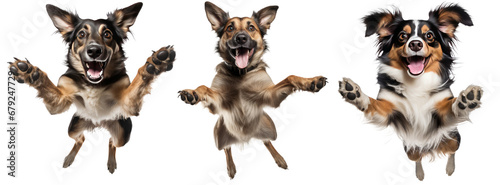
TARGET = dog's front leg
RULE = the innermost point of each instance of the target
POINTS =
(159, 62)
(376, 111)
(58, 98)
(210, 97)
(456, 110)
(274, 95)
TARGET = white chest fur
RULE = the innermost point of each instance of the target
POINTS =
(97, 104)
(417, 105)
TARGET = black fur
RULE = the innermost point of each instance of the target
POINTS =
(126, 124)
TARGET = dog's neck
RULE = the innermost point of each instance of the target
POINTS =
(237, 71)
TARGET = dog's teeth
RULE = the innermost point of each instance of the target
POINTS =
(237, 52)
(87, 64)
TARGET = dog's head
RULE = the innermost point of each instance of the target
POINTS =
(417, 46)
(95, 50)
(241, 42)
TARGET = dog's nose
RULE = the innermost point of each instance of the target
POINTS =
(94, 51)
(241, 39)
(416, 45)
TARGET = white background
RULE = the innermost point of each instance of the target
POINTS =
(323, 139)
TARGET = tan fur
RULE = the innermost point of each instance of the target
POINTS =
(380, 107)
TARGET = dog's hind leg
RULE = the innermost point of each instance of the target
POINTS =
(450, 147)
(58, 98)
(419, 170)
(120, 134)
(159, 62)
(277, 157)
(75, 131)
(231, 168)
(415, 155)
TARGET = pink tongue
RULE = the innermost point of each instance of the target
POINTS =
(416, 65)
(94, 69)
(242, 59)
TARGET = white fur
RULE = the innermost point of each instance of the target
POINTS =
(417, 106)
(99, 105)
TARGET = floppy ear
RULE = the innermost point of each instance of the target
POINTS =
(124, 18)
(381, 22)
(265, 17)
(448, 17)
(216, 16)
(64, 21)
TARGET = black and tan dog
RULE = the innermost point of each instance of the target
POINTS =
(415, 78)
(96, 81)
(242, 87)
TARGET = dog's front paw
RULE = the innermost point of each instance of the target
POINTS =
(24, 72)
(311, 84)
(351, 92)
(161, 60)
(468, 100)
(189, 96)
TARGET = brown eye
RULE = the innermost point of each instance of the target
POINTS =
(230, 28)
(251, 28)
(429, 36)
(107, 35)
(81, 34)
(402, 37)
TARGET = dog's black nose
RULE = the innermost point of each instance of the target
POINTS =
(416, 45)
(241, 39)
(94, 51)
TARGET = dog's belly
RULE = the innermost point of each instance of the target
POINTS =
(243, 121)
(423, 131)
(97, 105)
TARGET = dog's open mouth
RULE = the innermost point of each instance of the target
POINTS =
(241, 56)
(94, 70)
(416, 64)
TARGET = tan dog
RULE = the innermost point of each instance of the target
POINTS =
(242, 87)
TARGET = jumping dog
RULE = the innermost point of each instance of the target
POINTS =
(242, 87)
(96, 81)
(415, 77)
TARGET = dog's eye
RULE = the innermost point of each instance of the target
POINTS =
(107, 35)
(81, 34)
(230, 28)
(251, 28)
(403, 36)
(429, 36)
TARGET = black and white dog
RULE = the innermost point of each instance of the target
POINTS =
(414, 77)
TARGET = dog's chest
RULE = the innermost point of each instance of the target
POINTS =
(241, 112)
(417, 101)
(97, 104)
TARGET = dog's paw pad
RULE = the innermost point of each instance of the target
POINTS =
(161, 60)
(470, 98)
(351, 92)
(189, 96)
(317, 84)
(23, 71)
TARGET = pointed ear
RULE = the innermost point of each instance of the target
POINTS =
(216, 16)
(447, 16)
(124, 18)
(64, 21)
(381, 22)
(265, 17)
